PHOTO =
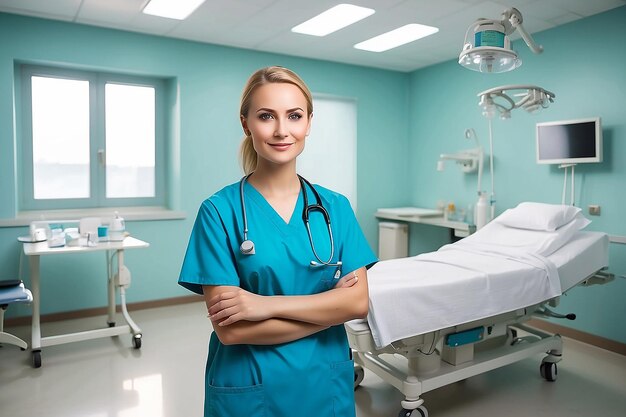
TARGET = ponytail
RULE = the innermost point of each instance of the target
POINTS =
(247, 155)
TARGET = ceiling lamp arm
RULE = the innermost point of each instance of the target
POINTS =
(513, 18)
(532, 98)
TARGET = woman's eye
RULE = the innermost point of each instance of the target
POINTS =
(265, 116)
(295, 116)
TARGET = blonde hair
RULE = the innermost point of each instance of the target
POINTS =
(268, 75)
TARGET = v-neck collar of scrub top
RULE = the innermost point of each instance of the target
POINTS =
(252, 194)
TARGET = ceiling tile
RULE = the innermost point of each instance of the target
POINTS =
(111, 11)
(56, 9)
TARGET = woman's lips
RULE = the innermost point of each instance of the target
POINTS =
(281, 146)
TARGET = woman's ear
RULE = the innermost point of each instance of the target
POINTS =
(244, 125)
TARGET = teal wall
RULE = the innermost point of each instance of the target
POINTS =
(404, 122)
(583, 63)
(209, 81)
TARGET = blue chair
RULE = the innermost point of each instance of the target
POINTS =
(12, 292)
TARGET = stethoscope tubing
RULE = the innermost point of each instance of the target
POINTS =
(305, 217)
(247, 246)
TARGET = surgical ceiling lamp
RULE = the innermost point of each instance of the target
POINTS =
(502, 100)
(509, 97)
(491, 50)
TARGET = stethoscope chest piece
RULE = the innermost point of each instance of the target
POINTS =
(247, 247)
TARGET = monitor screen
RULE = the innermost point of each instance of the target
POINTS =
(569, 141)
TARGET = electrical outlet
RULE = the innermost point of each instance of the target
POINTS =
(594, 210)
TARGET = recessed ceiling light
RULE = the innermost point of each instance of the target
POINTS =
(333, 19)
(172, 9)
(397, 37)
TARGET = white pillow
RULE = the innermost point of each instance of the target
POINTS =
(538, 216)
(541, 242)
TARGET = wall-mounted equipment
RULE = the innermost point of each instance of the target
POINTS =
(567, 143)
(468, 159)
(490, 49)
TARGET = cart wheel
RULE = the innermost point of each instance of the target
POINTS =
(359, 374)
(420, 411)
(137, 341)
(548, 371)
(36, 359)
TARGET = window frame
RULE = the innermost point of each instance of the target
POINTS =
(97, 140)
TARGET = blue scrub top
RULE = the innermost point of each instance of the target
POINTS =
(314, 374)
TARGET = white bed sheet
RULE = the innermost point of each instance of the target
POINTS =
(584, 254)
(462, 283)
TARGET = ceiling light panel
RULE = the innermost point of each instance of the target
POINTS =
(172, 9)
(333, 19)
(397, 37)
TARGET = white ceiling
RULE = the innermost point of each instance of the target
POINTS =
(264, 25)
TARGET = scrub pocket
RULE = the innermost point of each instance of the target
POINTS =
(342, 383)
(235, 401)
(326, 278)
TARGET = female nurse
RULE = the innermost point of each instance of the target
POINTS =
(279, 347)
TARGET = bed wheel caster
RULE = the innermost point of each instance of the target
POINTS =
(137, 341)
(359, 374)
(420, 411)
(36, 359)
(548, 371)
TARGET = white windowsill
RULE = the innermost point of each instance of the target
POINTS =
(24, 218)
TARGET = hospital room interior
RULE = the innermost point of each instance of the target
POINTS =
(441, 143)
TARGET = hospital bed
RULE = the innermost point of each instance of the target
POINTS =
(448, 315)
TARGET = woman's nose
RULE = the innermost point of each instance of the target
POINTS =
(281, 129)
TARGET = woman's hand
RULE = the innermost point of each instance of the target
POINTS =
(232, 306)
(348, 280)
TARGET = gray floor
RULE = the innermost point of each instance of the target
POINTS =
(107, 377)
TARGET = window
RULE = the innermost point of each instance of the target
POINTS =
(329, 158)
(91, 140)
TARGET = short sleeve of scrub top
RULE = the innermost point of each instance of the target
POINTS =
(209, 258)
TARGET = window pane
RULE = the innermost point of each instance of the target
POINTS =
(60, 115)
(130, 141)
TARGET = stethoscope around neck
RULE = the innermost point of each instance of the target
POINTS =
(247, 246)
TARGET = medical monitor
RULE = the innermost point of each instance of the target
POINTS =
(569, 141)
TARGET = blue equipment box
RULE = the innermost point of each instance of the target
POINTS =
(465, 337)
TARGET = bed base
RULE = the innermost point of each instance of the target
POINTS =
(415, 378)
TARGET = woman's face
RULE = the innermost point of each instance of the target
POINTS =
(278, 123)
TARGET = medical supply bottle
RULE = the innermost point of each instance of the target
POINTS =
(450, 212)
(482, 210)
(117, 228)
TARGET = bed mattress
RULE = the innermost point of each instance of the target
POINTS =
(417, 295)
(581, 257)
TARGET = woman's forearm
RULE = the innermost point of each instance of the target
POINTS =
(267, 332)
(329, 308)
(230, 305)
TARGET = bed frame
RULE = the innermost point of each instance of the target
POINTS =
(445, 356)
